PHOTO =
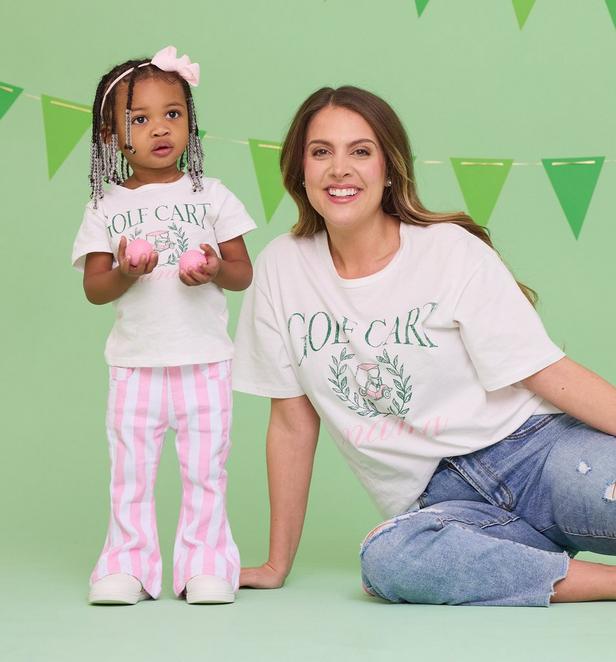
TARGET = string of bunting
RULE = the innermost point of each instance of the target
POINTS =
(522, 9)
(480, 179)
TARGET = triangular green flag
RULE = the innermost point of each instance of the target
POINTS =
(266, 160)
(8, 94)
(481, 181)
(574, 181)
(611, 6)
(421, 5)
(522, 9)
(65, 123)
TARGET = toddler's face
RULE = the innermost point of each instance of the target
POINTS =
(159, 123)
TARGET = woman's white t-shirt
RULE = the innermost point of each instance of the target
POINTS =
(159, 320)
(414, 363)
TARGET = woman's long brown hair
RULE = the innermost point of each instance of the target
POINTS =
(400, 199)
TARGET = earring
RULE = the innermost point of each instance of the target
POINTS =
(388, 182)
(303, 183)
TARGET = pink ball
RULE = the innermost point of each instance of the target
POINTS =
(192, 259)
(136, 249)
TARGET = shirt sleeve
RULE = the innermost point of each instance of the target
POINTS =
(92, 237)
(261, 363)
(232, 219)
(502, 332)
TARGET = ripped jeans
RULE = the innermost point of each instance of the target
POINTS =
(498, 526)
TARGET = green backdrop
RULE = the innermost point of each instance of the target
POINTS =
(469, 83)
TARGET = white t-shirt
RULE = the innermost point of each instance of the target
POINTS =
(159, 320)
(414, 363)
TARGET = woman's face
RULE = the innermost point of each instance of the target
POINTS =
(344, 167)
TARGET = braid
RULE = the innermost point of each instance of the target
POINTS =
(103, 153)
(194, 150)
(128, 113)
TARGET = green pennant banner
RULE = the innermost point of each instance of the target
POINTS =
(611, 6)
(574, 181)
(8, 95)
(65, 123)
(481, 181)
(522, 9)
(266, 161)
(421, 5)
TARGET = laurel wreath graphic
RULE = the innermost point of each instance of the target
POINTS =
(359, 404)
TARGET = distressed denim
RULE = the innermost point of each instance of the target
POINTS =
(497, 526)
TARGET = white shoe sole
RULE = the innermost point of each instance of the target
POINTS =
(209, 598)
(111, 598)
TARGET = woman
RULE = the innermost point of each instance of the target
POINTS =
(491, 452)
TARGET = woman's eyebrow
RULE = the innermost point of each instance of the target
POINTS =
(354, 142)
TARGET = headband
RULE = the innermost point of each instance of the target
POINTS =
(167, 60)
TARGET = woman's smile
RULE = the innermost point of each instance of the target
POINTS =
(342, 195)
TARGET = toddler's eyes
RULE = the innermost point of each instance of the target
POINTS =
(140, 119)
(174, 114)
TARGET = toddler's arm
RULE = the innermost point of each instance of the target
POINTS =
(232, 271)
(102, 283)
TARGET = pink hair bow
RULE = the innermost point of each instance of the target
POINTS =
(167, 59)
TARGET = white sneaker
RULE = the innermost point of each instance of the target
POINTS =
(117, 589)
(209, 590)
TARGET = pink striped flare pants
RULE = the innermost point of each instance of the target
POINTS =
(195, 401)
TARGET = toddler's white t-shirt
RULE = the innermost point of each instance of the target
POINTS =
(159, 320)
(414, 363)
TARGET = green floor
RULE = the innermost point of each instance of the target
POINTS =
(321, 615)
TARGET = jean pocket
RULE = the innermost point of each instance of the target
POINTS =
(531, 425)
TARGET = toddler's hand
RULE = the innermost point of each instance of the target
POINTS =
(145, 266)
(206, 272)
(265, 576)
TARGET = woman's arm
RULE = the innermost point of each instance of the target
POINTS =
(578, 392)
(291, 443)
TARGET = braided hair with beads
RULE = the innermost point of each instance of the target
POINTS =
(104, 166)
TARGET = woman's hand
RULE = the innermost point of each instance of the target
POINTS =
(265, 576)
(144, 267)
(206, 272)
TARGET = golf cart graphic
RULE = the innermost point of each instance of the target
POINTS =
(163, 240)
(370, 382)
(160, 240)
(362, 389)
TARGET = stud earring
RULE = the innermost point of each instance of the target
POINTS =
(388, 182)
(303, 183)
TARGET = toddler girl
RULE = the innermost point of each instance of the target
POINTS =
(168, 352)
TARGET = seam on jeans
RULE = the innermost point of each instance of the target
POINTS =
(547, 528)
(605, 536)
(481, 525)
(501, 484)
(508, 505)
(513, 518)
(532, 428)
(474, 484)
